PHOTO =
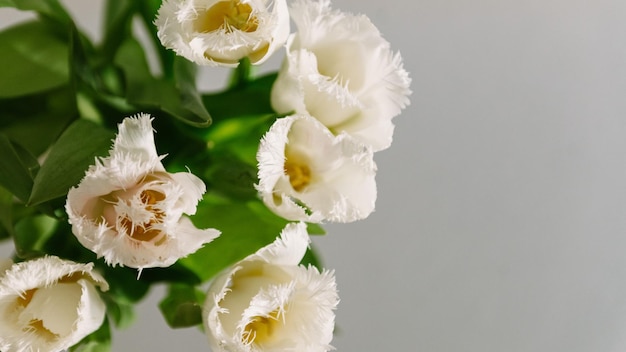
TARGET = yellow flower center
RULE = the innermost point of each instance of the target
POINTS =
(299, 174)
(34, 325)
(261, 329)
(227, 15)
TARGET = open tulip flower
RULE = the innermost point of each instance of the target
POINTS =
(129, 210)
(222, 32)
(340, 70)
(48, 304)
(306, 173)
(267, 302)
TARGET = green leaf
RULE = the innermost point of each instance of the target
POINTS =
(232, 177)
(68, 160)
(117, 24)
(14, 173)
(31, 235)
(185, 77)
(120, 312)
(98, 341)
(125, 285)
(182, 307)
(35, 122)
(6, 213)
(47, 8)
(311, 258)
(245, 226)
(251, 99)
(148, 10)
(175, 98)
(174, 273)
(33, 60)
(315, 229)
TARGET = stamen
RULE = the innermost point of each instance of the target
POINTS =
(261, 329)
(37, 326)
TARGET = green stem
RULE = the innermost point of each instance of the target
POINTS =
(242, 75)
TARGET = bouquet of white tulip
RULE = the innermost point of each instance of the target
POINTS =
(241, 178)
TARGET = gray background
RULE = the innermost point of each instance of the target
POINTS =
(500, 219)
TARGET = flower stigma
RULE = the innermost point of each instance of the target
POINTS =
(261, 329)
(227, 15)
(298, 171)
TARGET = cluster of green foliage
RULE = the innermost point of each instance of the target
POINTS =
(61, 98)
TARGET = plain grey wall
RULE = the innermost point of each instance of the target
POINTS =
(500, 219)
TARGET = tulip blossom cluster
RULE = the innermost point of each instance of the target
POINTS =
(328, 111)
(340, 72)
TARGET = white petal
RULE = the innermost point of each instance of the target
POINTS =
(340, 70)
(43, 304)
(184, 28)
(56, 306)
(341, 183)
(135, 137)
(267, 302)
(288, 249)
(130, 211)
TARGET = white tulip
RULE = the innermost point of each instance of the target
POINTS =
(130, 211)
(49, 304)
(267, 302)
(340, 70)
(306, 173)
(222, 32)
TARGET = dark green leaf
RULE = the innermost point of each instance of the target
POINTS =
(245, 226)
(33, 60)
(173, 273)
(69, 158)
(98, 341)
(176, 99)
(117, 24)
(28, 160)
(6, 213)
(148, 10)
(125, 285)
(31, 235)
(47, 8)
(232, 177)
(35, 122)
(185, 77)
(182, 307)
(252, 99)
(14, 173)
